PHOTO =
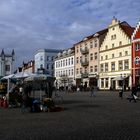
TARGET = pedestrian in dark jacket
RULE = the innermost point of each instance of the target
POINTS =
(133, 94)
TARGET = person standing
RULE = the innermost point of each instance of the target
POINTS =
(21, 90)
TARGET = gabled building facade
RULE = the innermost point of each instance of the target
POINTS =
(87, 59)
(27, 67)
(64, 68)
(136, 56)
(115, 57)
(6, 63)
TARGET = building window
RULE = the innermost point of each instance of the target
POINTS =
(91, 44)
(137, 47)
(77, 60)
(113, 37)
(72, 61)
(72, 72)
(126, 64)
(91, 56)
(101, 57)
(102, 82)
(41, 66)
(41, 58)
(77, 71)
(7, 67)
(61, 64)
(91, 68)
(137, 72)
(47, 66)
(112, 45)
(106, 47)
(66, 62)
(137, 60)
(106, 57)
(126, 53)
(120, 54)
(120, 43)
(69, 72)
(52, 66)
(77, 49)
(113, 55)
(113, 28)
(106, 82)
(102, 67)
(106, 67)
(95, 55)
(80, 70)
(95, 68)
(95, 43)
(120, 65)
(69, 61)
(47, 58)
(112, 66)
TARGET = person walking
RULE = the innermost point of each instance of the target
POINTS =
(121, 94)
(133, 94)
(92, 91)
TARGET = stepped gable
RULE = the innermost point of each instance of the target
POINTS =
(127, 28)
(136, 33)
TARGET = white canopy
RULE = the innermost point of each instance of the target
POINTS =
(7, 77)
(119, 78)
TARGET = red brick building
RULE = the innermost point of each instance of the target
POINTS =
(136, 56)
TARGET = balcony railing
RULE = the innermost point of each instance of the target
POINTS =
(84, 62)
(84, 50)
(84, 75)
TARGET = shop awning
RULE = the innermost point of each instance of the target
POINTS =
(119, 78)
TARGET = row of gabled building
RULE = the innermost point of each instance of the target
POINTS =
(108, 59)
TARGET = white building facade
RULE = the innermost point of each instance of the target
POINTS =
(64, 68)
(6, 63)
(44, 61)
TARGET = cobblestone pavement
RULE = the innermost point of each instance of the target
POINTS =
(104, 117)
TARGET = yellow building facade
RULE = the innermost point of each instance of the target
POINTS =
(115, 57)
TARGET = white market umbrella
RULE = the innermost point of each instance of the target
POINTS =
(37, 77)
(22, 75)
(8, 76)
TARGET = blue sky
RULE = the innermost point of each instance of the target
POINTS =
(28, 25)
